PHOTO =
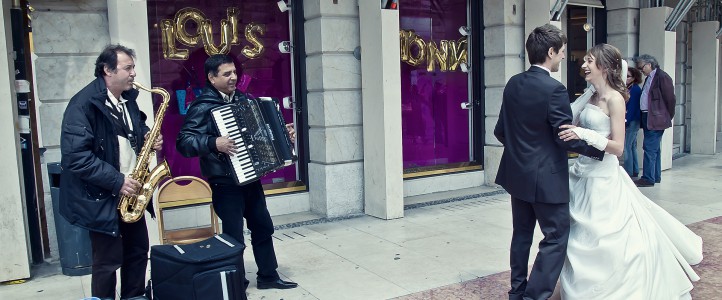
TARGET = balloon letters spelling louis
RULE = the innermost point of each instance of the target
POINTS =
(177, 30)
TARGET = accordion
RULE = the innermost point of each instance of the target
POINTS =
(259, 132)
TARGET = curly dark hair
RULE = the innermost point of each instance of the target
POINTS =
(636, 74)
(109, 58)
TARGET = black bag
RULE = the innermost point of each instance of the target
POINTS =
(208, 270)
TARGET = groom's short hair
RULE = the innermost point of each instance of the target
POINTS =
(541, 39)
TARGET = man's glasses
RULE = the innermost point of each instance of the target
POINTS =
(641, 67)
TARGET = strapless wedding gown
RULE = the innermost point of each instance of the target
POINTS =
(621, 244)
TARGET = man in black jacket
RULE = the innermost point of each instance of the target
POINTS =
(102, 133)
(533, 167)
(232, 203)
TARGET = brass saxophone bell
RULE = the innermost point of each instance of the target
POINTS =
(132, 207)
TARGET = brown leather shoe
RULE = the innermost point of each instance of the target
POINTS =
(643, 183)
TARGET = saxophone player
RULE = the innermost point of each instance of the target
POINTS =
(232, 203)
(102, 133)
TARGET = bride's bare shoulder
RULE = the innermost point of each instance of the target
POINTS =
(614, 97)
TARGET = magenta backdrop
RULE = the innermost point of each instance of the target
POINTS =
(435, 129)
(269, 74)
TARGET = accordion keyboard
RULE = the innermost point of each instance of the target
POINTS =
(241, 162)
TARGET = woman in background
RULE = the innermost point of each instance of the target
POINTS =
(632, 117)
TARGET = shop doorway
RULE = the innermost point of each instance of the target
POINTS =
(585, 27)
(440, 106)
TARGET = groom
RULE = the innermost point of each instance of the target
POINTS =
(533, 168)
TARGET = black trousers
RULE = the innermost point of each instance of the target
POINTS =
(129, 252)
(554, 223)
(232, 203)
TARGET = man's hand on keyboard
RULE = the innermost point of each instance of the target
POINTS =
(226, 145)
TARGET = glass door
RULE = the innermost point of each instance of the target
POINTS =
(435, 93)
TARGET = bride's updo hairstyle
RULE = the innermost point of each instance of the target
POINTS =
(609, 59)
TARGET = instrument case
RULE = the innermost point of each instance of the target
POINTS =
(210, 269)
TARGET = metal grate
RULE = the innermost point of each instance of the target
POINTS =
(464, 205)
(288, 236)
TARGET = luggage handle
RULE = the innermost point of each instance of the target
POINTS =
(180, 250)
(224, 241)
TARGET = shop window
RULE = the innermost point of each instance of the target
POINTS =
(183, 34)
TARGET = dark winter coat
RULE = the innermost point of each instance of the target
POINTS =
(90, 181)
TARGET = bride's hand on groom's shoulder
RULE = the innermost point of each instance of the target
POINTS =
(567, 133)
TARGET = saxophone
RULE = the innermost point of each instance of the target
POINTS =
(132, 207)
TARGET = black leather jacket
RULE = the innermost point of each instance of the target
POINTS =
(198, 136)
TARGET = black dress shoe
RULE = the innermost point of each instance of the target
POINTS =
(643, 182)
(278, 284)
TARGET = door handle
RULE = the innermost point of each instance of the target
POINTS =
(465, 105)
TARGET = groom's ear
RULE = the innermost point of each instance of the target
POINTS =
(550, 52)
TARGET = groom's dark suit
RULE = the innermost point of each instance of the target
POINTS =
(534, 171)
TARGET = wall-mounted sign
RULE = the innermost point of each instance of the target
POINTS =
(448, 55)
(177, 30)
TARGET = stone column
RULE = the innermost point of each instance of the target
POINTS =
(683, 89)
(623, 27)
(128, 26)
(67, 37)
(719, 108)
(381, 90)
(333, 79)
(705, 76)
(655, 41)
(504, 57)
(15, 262)
(535, 16)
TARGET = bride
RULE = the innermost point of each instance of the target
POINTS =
(621, 244)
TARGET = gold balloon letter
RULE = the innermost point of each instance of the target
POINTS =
(232, 13)
(181, 33)
(225, 46)
(169, 49)
(437, 55)
(458, 53)
(420, 52)
(404, 35)
(258, 49)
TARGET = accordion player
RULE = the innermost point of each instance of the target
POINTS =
(258, 130)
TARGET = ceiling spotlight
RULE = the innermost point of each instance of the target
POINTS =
(464, 67)
(285, 47)
(464, 30)
(282, 6)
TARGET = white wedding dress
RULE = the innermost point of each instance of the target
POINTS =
(621, 244)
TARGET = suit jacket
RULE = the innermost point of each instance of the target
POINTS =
(661, 101)
(534, 164)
